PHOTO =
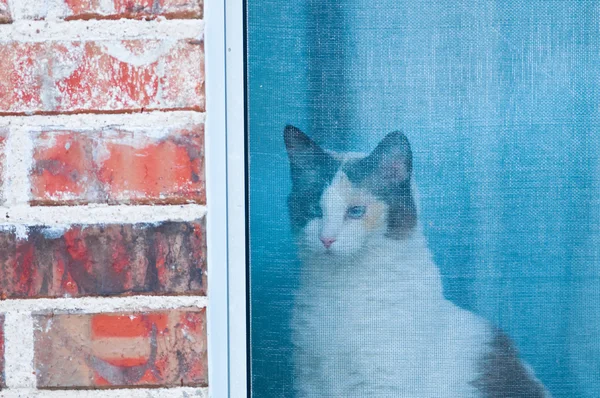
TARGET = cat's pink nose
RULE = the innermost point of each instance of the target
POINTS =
(327, 242)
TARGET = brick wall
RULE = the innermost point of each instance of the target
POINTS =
(103, 274)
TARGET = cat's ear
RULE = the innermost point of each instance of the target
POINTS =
(389, 164)
(300, 148)
(310, 164)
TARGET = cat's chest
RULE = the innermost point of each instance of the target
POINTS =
(370, 306)
(380, 281)
(365, 317)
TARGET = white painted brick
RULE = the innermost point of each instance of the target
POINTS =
(180, 392)
(123, 29)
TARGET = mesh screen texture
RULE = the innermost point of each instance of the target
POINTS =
(498, 103)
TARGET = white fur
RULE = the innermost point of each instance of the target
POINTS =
(370, 318)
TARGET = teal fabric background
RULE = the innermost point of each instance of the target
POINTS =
(500, 100)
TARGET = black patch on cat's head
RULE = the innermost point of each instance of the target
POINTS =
(386, 172)
(312, 169)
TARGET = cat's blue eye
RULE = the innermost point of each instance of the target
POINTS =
(356, 212)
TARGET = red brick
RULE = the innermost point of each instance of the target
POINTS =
(119, 166)
(101, 76)
(119, 350)
(4, 12)
(85, 9)
(2, 384)
(114, 259)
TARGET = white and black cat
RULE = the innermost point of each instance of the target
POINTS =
(370, 317)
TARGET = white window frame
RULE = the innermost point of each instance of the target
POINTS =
(226, 198)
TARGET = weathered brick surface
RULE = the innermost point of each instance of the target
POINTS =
(4, 12)
(1, 351)
(118, 166)
(101, 76)
(152, 349)
(168, 257)
(3, 135)
(133, 8)
(64, 67)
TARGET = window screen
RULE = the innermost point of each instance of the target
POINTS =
(424, 212)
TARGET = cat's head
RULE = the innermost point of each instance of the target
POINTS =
(339, 203)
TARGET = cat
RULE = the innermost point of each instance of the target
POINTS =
(370, 318)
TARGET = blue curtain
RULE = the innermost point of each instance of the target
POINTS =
(500, 99)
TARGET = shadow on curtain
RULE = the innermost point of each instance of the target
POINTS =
(500, 100)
